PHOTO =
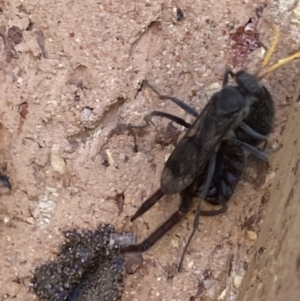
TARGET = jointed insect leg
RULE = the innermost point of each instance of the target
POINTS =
(171, 117)
(152, 200)
(226, 77)
(185, 206)
(254, 151)
(203, 194)
(176, 100)
(248, 130)
(223, 209)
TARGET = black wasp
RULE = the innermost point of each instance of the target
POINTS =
(209, 160)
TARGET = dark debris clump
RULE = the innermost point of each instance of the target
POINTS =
(87, 268)
(4, 179)
(179, 14)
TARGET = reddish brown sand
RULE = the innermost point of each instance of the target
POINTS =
(70, 72)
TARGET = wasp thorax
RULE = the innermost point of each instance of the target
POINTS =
(235, 101)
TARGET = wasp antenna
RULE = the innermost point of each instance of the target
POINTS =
(273, 44)
(280, 63)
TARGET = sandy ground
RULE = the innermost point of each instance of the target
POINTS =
(70, 73)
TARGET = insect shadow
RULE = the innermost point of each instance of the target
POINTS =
(208, 161)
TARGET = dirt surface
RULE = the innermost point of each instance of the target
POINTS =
(71, 72)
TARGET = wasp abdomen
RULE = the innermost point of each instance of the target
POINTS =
(230, 162)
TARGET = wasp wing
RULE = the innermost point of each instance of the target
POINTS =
(202, 140)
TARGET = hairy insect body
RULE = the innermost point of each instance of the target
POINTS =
(208, 161)
(219, 119)
(261, 118)
(230, 159)
(230, 163)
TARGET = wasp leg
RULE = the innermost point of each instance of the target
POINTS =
(226, 76)
(152, 200)
(148, 119)
(248, 130)
(215, 212)
(171, 117)
(130, 126)
(254, 151)
(176, 100)
(186, 203)
(203, 194)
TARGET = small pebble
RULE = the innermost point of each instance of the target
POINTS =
(251, 235)
(237, 281)
(30, 220)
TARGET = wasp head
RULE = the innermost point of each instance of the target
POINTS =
(249, 83)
